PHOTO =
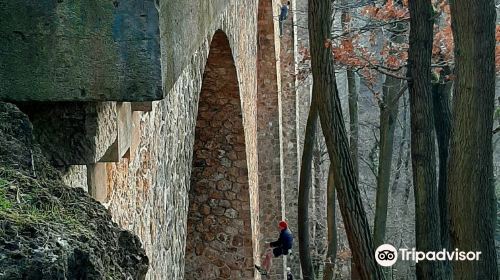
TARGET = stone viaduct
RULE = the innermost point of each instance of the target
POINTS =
(181, 117)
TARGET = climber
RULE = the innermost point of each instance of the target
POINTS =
(282, 246)
(289, 275)
(283, 15)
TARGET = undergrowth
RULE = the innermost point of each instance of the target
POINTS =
(25, 201)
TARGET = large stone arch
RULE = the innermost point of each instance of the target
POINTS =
(219, 228)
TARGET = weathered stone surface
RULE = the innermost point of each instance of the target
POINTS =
(72, 133)
(149, 194)
(184, 24)
(290, 149)
(218, 132)
(75, 176)
(124, 134)
(97, 177)
(79, 51)
(145, 106)
(271, 191)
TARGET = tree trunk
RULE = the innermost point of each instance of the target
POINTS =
(353, 140)
(346, 182)
(331, 254)
(422, 136)
(353, 119)
(388, 116)
(471, 195)
(442, 123)
(304, 192)
(353, 122)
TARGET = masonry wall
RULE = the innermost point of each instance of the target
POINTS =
(219, 237)
(147, 191)
(288, 133)
(271, 191)
(164, 155)
(137, 157)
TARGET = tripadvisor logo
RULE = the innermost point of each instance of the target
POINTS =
(387, 255)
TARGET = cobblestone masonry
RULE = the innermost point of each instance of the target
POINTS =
(288, 131)
(270, 187)
(219, 237)
(151, 198)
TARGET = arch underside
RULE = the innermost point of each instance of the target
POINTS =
(219, 238)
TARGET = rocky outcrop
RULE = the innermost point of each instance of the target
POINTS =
(49, 230)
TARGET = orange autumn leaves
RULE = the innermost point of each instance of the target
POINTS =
(387, 11)
(355, 47)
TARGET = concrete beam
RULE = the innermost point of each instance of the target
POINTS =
(77, 51)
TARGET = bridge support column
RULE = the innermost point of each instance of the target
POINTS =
(290, 157)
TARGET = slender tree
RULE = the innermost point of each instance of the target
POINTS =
(471, 195)
(304, 193)
(353, 119)
(392, 89)
(332, 123)
(352, 91)
(388, 115)
(441, 89)
(422, 136)
(331, 253)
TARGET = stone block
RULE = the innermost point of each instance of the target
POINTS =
(145, 106)
(97, 179)
(75, 176)
(136, 135)
(73, 133)
(79, 51)
(123, 140)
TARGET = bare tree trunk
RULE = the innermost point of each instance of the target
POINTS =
(422, 136)
(353, 122)
(332, 123)
(353, 140)
(388, 116)
(353, 119)
(304, 193)
(442, 123)
(331, 253)
(471, 195)
(389, 109)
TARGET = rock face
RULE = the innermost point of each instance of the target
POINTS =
(49, 230)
